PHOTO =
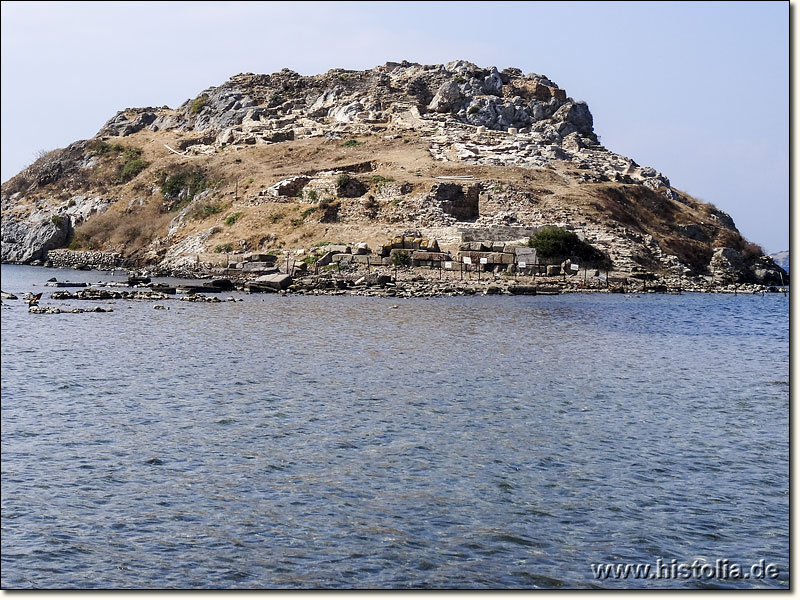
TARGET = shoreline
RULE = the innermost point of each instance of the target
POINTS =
(390, 283)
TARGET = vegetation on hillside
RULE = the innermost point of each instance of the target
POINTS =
(556, 243)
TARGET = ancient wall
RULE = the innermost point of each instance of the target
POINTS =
(101, 261)
(500, 233)
(463, 205)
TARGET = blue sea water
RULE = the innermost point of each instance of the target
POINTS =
(338, 442)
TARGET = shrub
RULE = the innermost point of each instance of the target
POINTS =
(81, 241)
(131, 169)
(751, 251)
(352, 143)
(379, 181)
(307, 212)
(57, 220)
(198, 105)
(231, 220)
(223, 248)
(401, 259)
(99, 147)
(131, 153)
(342, 180)
(276, 217)
(190, 182)
(71, 203)
(326, 201)
(554, 242)
(459, 79)
(205, 210)
(472, 110)
(311, 195)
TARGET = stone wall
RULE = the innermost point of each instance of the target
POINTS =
(500, 233)
(463, 205)
(101, 261)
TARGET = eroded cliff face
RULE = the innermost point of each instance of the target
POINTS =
(451, 151)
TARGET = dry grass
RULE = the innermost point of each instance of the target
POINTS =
(124, 233)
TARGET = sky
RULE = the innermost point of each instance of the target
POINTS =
(699, 91)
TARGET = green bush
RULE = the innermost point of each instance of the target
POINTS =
(198, 105)
(276, 217)
(352, 143)
(459, 79)
(81, 241)
(206, 210)
(57, 220)
(131, 154)
(231, 220)
(401, 259)
(307, 212)
(472, 110)
(192, 182)
(554, 242)
(131, 162)
(311, 195)
(223, 248)
(131, 169)
(342, 180)
(99, 147)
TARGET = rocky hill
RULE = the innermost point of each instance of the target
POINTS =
(285, 163)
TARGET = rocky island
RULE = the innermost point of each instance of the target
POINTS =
(404, 179)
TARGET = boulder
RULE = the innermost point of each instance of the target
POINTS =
(727, 265)
(276, 281)
(448, 98)
(574, 116)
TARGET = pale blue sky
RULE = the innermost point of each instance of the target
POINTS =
(700, 91)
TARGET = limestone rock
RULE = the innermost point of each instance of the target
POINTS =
(448, 98)
(24, 241)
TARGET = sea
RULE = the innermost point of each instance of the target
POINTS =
(494, 442)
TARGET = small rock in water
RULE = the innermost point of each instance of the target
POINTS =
(159, 307)
(395, 306)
